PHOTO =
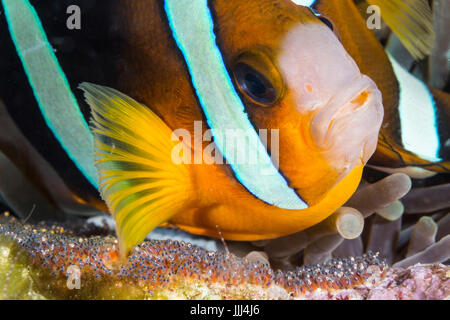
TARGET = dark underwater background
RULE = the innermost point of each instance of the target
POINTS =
(89, 54)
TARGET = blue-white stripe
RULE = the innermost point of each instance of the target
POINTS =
(418, 117)
(305, 3)
(50, 87)
(192, 27)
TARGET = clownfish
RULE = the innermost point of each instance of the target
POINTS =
(213, 66)
(271, 74)
(415, 135)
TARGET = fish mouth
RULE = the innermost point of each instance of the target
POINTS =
(346, 128)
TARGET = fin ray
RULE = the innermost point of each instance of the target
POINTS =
(411, 21)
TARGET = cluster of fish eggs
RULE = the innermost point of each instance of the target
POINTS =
(160, 264)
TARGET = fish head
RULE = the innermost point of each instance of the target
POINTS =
(295, 77)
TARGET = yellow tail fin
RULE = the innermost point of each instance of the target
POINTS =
(138, 180)
(411, 21)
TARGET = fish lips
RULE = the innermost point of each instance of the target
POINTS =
(346, 128)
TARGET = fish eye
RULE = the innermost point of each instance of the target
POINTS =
(254, 84)
(257, 79)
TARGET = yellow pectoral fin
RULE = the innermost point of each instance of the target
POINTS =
(411, 21)
(139, 179)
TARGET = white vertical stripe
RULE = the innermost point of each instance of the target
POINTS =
(306, 3)
(50, 87)
(418, 119)
(192, 27)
